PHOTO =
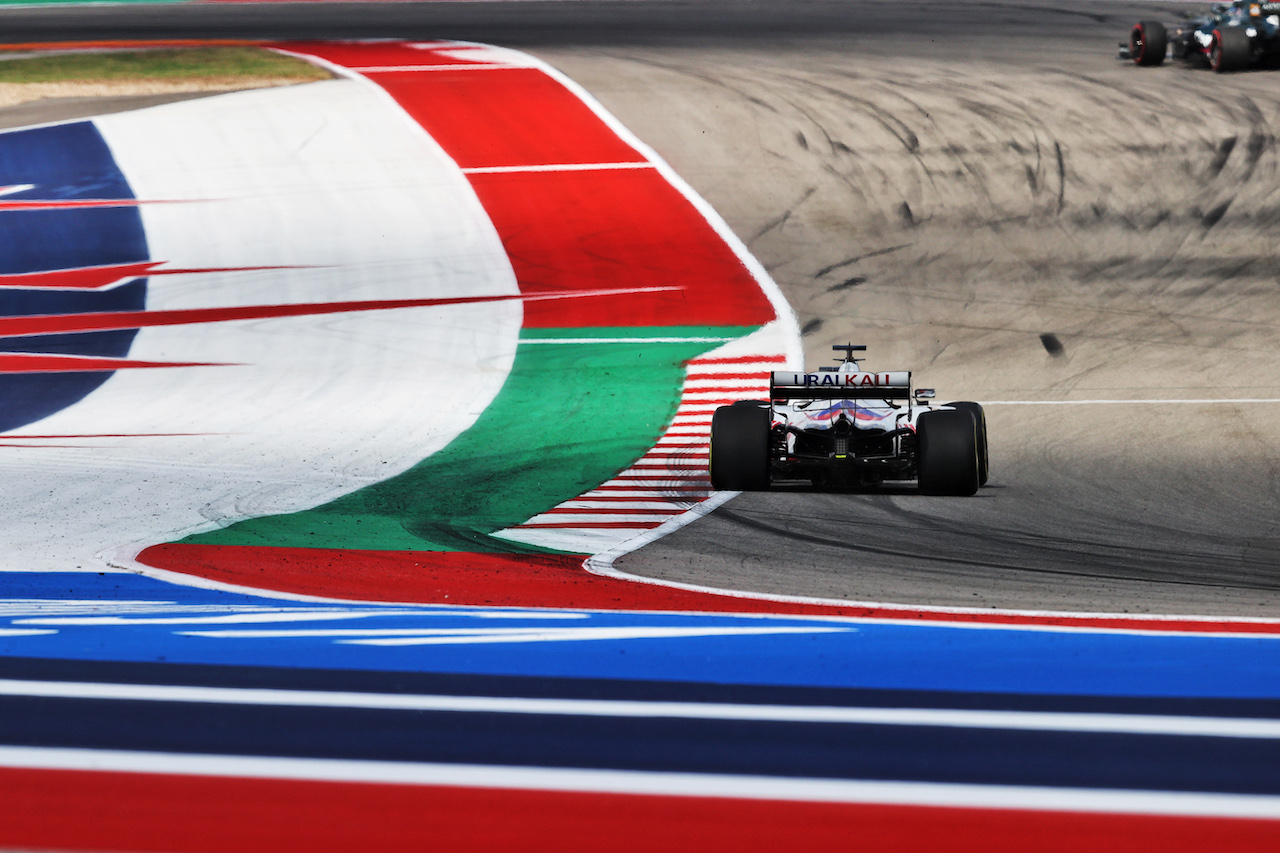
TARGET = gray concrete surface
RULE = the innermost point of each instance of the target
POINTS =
(66, 109)
(951, 183)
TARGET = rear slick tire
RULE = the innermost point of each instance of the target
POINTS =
(1231, 50)
(1148, 42)
(947, 453)
(740, 448)
(980, 418)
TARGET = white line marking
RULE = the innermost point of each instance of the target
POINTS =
(438, 636)
(305, 616)
(1138, 724)
(555, 167)
(649, 783)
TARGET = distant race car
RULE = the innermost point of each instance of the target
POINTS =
(1231, 37)
(843, 427)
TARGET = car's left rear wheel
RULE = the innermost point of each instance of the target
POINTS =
(947, 453)
(740, 448)
(1148, 42)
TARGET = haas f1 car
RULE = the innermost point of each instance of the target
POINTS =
(845, 427)
(1231, 37)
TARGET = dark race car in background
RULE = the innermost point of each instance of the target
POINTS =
(1231, 37)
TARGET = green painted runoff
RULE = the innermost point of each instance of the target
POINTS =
(569, 417)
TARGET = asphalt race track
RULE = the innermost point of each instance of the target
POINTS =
(981, 193)
(1017, 217)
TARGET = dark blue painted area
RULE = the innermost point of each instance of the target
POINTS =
(466, 684)
(657, 744)
(121, 628)
(64, 162)
(861, 655)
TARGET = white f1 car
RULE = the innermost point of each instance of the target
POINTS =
(843, 427)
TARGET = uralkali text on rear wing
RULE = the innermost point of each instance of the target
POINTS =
(893, 385)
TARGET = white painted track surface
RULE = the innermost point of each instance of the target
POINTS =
(329, 177)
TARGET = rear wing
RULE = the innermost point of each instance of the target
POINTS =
(893, 385)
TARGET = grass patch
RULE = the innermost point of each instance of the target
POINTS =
(161, 64)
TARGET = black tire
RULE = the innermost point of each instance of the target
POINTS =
(1231, 49)
(740, 448)
(1148, 42)
(947, 453)
(979, 418)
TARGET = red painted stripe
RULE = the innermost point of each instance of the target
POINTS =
(112, 435)
(77, 204)
(6, 444)
(418, 576)
(102, 277)
(600, 510)
(551, 580)
(764, 360)
(81, 278)
(41, 363)
(512, 117)
(607, 498)
(82, 810)
(570, 230)
(48, 324)
(673, 479)
(357, 54)
(589, 525)
(672, 488)
(664, 466)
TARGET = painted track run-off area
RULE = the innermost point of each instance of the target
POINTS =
(928, 671)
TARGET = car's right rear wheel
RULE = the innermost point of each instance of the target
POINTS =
(980, 419)
(740, 448)
(947, 453)
(1231, 49)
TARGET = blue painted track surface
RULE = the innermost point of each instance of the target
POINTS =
(138, 619)
(132, 630)
(66, 162)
